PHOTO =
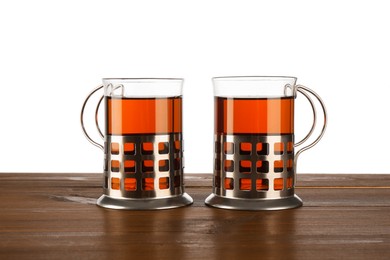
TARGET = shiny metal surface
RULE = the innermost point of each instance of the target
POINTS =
(271, 167)
(253, 204)
(313, 126)
(97, 117)
(132, 177)
(145, 204)
(302, 90)
(254, 174)
(82, 118)
(263, 190)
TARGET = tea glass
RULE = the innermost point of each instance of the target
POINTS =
(254, 158)
(143, 143)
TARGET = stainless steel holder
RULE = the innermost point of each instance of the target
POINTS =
(141, 172)
(258, 172)
(254, 172)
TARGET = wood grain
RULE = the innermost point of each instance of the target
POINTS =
(54, 216)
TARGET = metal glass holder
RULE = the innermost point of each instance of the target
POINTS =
(141, 171)
(258, 172)
(254, 172)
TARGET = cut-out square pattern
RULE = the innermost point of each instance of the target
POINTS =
(229, 165)
(278, 148)
(245, 148)
(262, 166)
(278, 184)
(289, 165)
(177, 146)
(245, 166)
(262, 148)
(163, 183)
(129, 166)
(289, 182)
(278, 166)
(114, 148)
(130, 184)
(147, 166)
(163, 165)
(245, 184)
(229, 183)
(115, 165)
(177, 181)
(115, 183)
(129, 148)
(290, 147)
(163, 148)
(147, 148)
(228, 148)
(148, 184)
(262, 184)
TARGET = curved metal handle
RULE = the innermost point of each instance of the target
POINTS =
(313, 126)
(96, 118)
(302, 90)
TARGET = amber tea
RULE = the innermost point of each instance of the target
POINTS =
(264, 116)
(254, 115)
(143, 115)
(127, 116)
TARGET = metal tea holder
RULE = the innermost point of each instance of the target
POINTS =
(269, 173)
(141, 172)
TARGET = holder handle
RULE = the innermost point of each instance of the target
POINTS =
(302, 89)
(96, 118)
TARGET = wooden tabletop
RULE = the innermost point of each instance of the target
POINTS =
(54, 216)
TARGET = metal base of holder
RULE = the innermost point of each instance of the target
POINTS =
(145, 204)
(253, 204)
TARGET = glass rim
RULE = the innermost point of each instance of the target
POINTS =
(143, 79)
(252, 78)
(143, 87)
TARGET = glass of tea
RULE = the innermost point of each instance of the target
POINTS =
(143, 143)
(254, 158)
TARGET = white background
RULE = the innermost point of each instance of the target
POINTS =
(52, 53)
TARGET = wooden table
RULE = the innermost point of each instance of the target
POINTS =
(54, 216)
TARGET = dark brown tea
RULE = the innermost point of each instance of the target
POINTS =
(264, 116)
(143, 115)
